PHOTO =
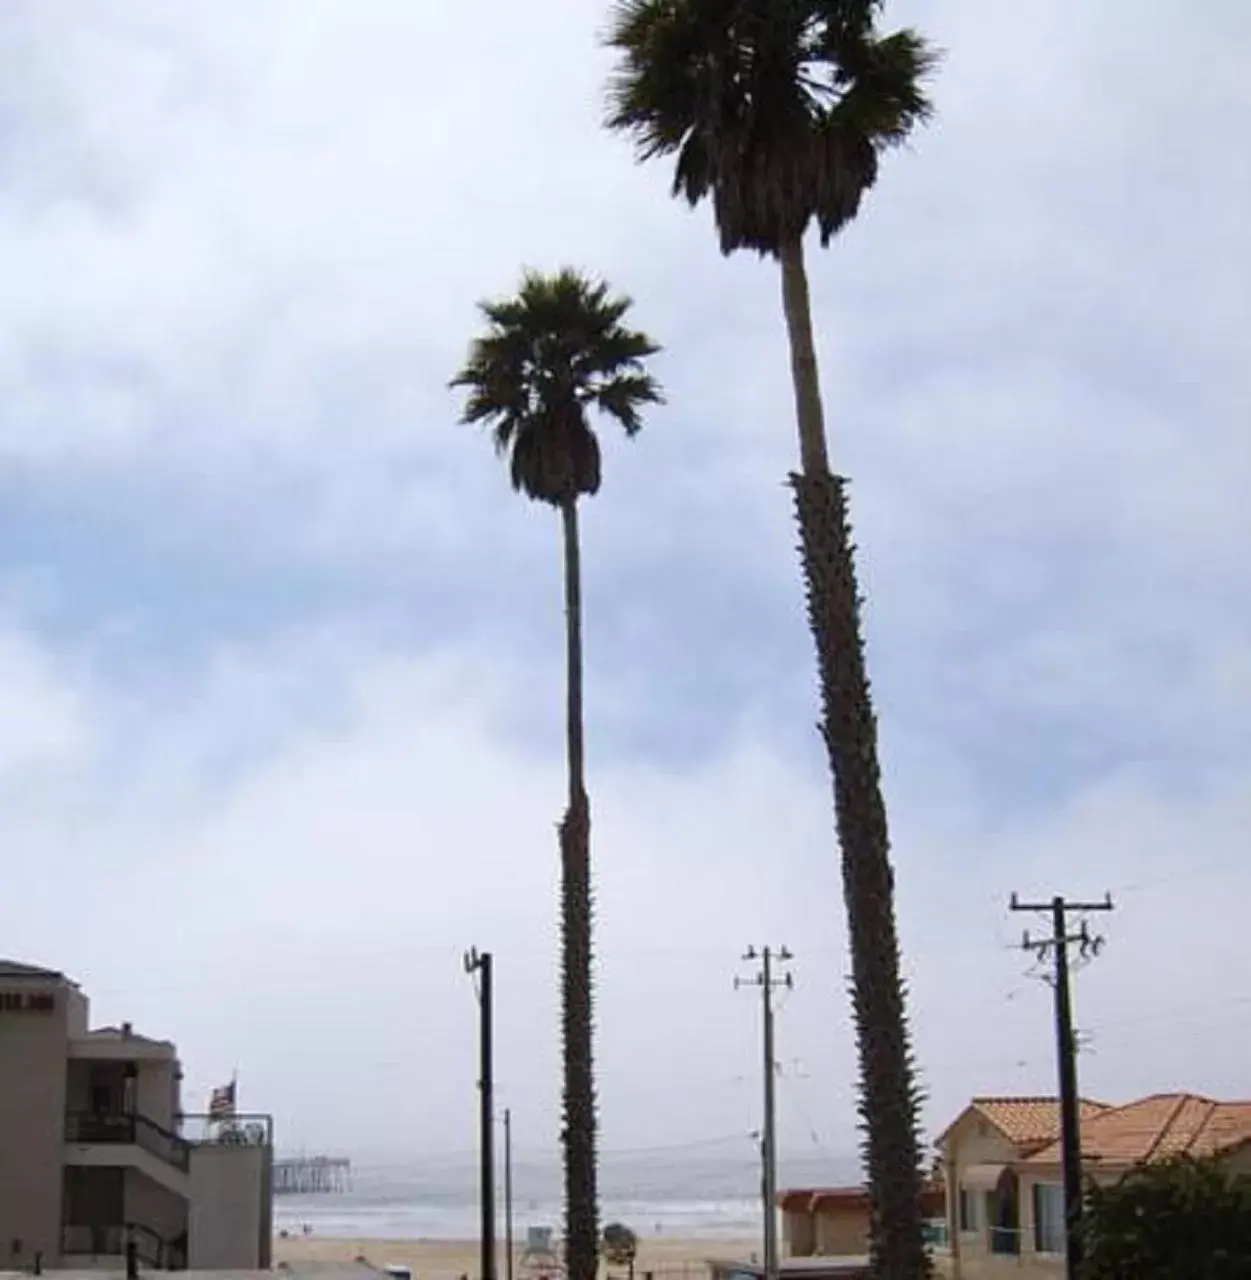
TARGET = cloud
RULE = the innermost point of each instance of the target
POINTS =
(310, 911)
(282, 653)
(44, 722)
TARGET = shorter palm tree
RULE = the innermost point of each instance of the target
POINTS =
(548, 355)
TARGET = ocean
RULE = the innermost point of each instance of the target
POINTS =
(655, 1193)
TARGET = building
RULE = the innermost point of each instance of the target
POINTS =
(794, 1269)
(95, 1150)
(833, 1222)
(1005, 1194)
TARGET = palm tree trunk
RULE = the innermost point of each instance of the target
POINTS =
(581, 1204)
(889, 1100)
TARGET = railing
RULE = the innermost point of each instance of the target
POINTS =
(253, 1130)
(1005, 1240)
(136, 1130)
(111, 1241)
(936, 1233)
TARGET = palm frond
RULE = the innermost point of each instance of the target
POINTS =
(777, 110)
(556, 347)
(624, 396)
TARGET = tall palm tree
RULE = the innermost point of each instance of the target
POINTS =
(548, 355)
(778, 111)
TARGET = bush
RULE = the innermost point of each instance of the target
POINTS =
(1178, 1220)
(620, 1244)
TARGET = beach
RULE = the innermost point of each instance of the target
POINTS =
(667, 1258)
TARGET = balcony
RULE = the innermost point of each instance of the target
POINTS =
(936, 1233)
(80, 1242)
(84, 1128)
(1005, 1241)
(253, 1130)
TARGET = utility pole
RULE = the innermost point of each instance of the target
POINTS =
(480, 964)
(508, 1194)
(768, 982)
(1057, 947)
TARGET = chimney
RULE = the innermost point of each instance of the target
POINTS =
(127, 1030)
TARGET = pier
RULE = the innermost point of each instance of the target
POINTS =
(312, 1175)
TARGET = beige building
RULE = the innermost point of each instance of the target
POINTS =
(1005, 1195)
(833, 1222)
(95, 1151)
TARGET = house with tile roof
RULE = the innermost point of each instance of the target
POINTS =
(833, 1222)
(1005, 1195)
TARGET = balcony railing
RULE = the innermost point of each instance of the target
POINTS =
(1005, 1240)
(936, 1233)
(136, 1130)
(253, 1130)
(110, 1242)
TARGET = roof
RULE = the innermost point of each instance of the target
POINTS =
(16, 969)
(814, 1199)
(120, 1033)
(1025, 1122)
(804, 1199)
(1157, 1127)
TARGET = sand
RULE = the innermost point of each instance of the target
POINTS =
(668, 1258)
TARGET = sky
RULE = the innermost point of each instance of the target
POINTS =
(281, 654)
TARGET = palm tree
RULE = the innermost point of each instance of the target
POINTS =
(778, 111)
(548, 355)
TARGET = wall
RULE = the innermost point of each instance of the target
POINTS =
(33, 1052)
(973, 1141)
(229, 1223)
(265, 1246)
(153, 1206)
(77, 1010)
(843, 1232)
(95, 1197)
(78, 1085)
(798, 1236)
(155, 1091)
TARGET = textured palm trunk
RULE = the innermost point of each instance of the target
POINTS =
(889, 1101)
(581, 1203)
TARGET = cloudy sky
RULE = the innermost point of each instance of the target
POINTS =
(281, 654)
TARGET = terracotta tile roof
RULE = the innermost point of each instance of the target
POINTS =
(1157, 1127)
(816, 1199)
(1027, 1122)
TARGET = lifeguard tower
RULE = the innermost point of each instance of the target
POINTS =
(540, 1259)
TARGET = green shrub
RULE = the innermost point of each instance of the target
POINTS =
(1181, 1219)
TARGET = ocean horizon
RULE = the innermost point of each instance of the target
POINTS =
(655, 1195)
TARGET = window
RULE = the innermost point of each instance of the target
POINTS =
(1048, 1218)
(970, 1219)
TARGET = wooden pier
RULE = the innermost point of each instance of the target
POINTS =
(312, 1175)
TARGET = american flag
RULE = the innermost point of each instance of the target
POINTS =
(222, 1102)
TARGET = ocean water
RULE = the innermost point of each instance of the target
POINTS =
(655, 1194)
